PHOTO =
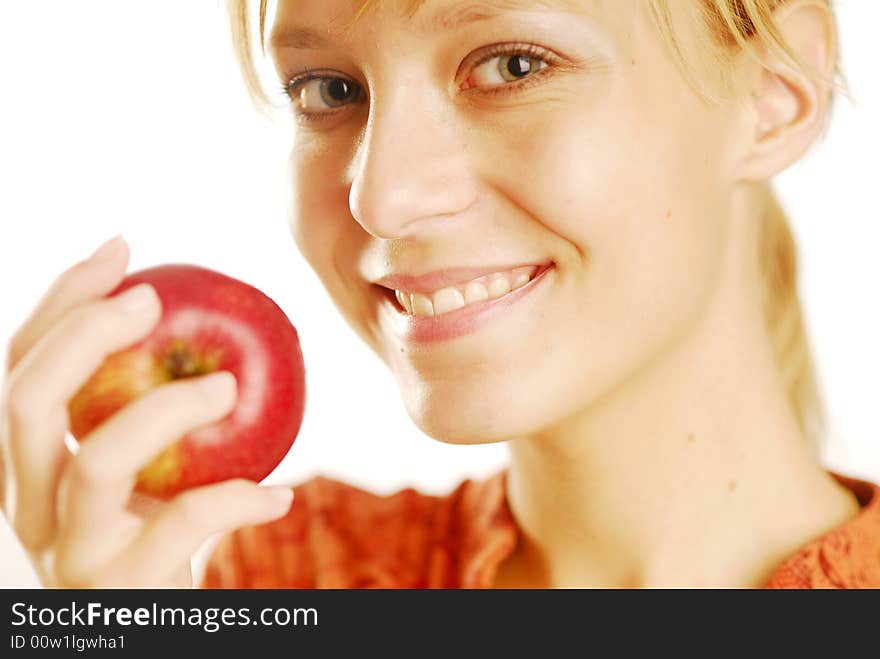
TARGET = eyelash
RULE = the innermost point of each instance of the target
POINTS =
(530, 50)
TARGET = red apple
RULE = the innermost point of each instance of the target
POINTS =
(209, 322)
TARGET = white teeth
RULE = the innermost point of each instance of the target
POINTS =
(404, 300)
(521, 280)
(451, 298)
(474, 292)
(447, 299)
(422, 305)
(498, 287)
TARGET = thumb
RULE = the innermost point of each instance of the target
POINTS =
(173, 535)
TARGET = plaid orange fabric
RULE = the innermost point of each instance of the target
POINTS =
(338, 536)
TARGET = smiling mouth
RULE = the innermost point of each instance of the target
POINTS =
(452, 298)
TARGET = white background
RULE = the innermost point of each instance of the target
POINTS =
(131, 117)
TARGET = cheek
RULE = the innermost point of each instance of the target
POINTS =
(322, 226)
(312, 207)
(328, 237)
(635, 213)
(636, 207)
(318, 212)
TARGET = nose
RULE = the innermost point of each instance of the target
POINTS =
(410, 170)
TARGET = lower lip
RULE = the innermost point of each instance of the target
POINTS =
(453, 324)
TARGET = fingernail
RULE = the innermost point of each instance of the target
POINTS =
(108, 250)
(282, 494)
(136, 298)
(221, 384)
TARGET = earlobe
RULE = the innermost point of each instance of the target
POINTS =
(788, 103)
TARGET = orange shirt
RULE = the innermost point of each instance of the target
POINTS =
(338, 536)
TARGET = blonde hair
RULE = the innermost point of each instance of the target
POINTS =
(732, 27)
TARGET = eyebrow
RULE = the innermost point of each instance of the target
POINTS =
(304, 38)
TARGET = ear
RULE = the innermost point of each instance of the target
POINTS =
(786, 106)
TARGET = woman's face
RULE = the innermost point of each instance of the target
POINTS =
(555, 139)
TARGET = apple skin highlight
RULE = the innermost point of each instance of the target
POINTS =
(210, 322)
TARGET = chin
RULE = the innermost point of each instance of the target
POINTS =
(465, 415)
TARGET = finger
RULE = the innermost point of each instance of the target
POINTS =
(144, 505)
(100, 478)
(41, 384)
(91, 278)
(174, 535)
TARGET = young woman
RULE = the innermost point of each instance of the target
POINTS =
(553, 221)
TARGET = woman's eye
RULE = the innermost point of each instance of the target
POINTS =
(327, 93)
(318, 96)
(502, 69)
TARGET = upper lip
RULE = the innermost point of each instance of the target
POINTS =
(437, 279)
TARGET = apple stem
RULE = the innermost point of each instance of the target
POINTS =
(181, 364)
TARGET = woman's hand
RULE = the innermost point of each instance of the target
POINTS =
(76, 514)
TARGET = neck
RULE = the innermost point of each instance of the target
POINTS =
(692, 473)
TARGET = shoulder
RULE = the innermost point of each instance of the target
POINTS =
(337, 535)
(847, 556)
